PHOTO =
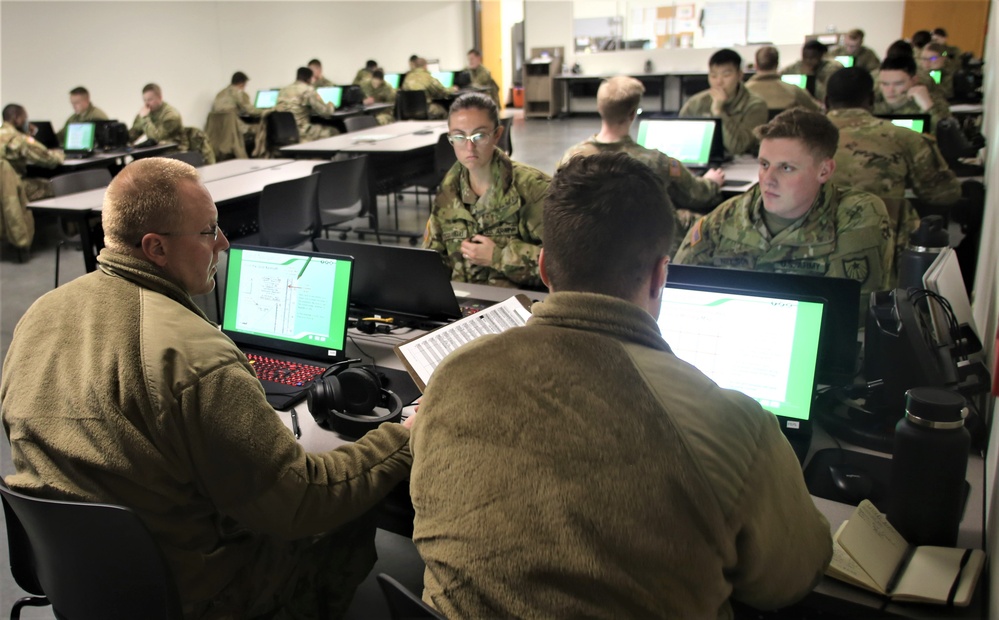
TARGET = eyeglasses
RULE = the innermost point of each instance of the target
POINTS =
(929, 58)
(212, 232)
(475, 138)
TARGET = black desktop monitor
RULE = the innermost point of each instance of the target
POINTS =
(462, 79)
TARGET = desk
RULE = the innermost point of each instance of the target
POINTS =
(228, 182)
(672, 88)
(113, 160)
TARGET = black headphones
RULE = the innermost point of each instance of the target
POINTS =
(343, 399)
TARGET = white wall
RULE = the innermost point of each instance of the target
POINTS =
(881, 20)
(191, 49)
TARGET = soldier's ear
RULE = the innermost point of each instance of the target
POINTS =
(826, 169)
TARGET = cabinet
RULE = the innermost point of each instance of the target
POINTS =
(542, 97)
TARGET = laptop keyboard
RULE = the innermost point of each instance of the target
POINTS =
(283, 371)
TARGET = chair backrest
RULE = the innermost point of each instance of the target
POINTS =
(281, 129)
(288, 214)
(343, 183)
(444, 157)
(403, 604)
(89, 560)
(357, 123)
(506, 140)
(194, 158)
(80, 181)
(411, 105)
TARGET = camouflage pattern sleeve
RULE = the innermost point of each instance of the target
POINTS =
(137, 129)
(931, 179)
(865, 242)
(688, 191)
(30, 151)
(698, 246)
(316, 104)
(518, 260)
(738, 122)
(166, 127)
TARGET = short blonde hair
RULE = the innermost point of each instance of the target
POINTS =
(618, 98)
(144, 198)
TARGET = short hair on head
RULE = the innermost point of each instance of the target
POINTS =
(413, 58)
(607, 221)
(935, 47)
(899, 48)
(303, 74)
(239, 78)
(475, 51)
(618, 98)
(314, 61)
(940, 32)
(12, 111)
(921, 38)
(726, 57)
(856, 33)
(79, 90)
(767, 58)
(144, 198)
(152, 87)
(850, 88)
(371, 64)
(899, 63)
(420, 63)
(816, 46)
(378, 73)
(476, 101)
(816, 131)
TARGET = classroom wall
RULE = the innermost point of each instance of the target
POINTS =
(191, 49)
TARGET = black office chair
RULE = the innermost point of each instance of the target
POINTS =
(506, 140)
(281, 131)
(194, 158)
(411, 105)
(89, 561)
(403, 604)
(444, 159)
(343, 194)
(288, 214)
(70, 184)
(357, 123)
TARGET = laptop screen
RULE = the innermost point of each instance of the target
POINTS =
(937, 75)
(445, 77)
(920, 123)
(773, 362)
(266, 99)
(795, 79)
(392, 79)
(287, 301)
(688, 140)
(80, 137)
(846, 61)
(331, 94)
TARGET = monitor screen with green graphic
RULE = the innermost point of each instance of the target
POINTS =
(795, 79)
(331, 94)
(291, 301)
(688, 140)
(846, 61)
(762, 345)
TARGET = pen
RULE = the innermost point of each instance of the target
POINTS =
(295, 428)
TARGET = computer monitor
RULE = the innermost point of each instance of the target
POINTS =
(45, 133)
(795, 79)
(444, 77)
(920, 123)
(288, 301)
(80, 138)
(331, 94)
(937, 75)
(393, 79)
(763, 344)
(846, 61)
(462, 79)
(690, 140)
(266, 99)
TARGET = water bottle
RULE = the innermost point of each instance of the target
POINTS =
(925, 244)
(929, 461)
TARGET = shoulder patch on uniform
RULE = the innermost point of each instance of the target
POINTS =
(695, 233)
(674, 167)
(857, 268)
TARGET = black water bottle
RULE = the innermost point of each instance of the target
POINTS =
(925, 244)
(929, 461)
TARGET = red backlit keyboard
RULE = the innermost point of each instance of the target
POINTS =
(283, 371)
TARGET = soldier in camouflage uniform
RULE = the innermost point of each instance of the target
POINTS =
(901, 94)
(233, 98)
(481, 77)
(20, 149)
(795, 220)
(420, 79)
(486, 219)
(83, 110)
(728, 99)
(952, 52)
(932, 58)
(302, 100)
(813, 62)
(617, 101)
(767, 85)
(363, 75)
(377, 90)
(318, 80)
(158, 120)
(878, 157)
(853, 45)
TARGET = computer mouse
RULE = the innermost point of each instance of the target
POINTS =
(853, 482)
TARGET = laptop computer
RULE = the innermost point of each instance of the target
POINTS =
(920, 123)
(407, 283)
(772, 361)
(445, 77)
(846, 61)
(289, 307)
(696, 142)
(331, 94)
(266, 99)
(81, 138)
(45, 134)
(393, 80)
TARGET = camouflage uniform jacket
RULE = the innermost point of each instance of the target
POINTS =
(780, 95)
(421, 79)
(482, 78)
(383, 94)
(865, 58)
(302, 101)
(323, 82)
(509, 214)
(163, 125)
(846, 234)
(92, 113)
(231, 98)
(361, 77)
(740, 116)
(822, 74)
(20, 150)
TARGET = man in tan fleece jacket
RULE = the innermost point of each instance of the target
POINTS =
(575, 468)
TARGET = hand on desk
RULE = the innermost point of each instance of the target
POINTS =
(478, 250)
(715, 175)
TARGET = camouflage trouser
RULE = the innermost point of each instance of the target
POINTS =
(317, 132)
(384, 118)
(312, 578)
(36, 188)
(436, 111)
